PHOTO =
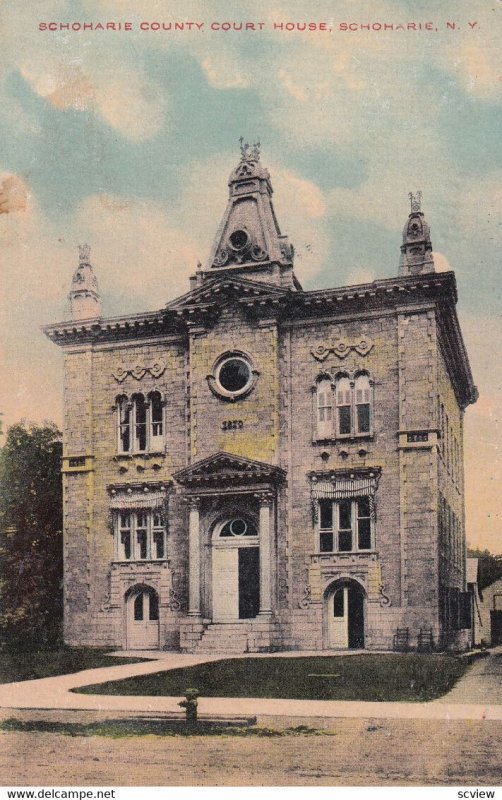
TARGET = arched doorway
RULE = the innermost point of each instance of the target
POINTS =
(142, 618)
(344, 603)
(236, 570)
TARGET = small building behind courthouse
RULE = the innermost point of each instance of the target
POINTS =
(256, 467)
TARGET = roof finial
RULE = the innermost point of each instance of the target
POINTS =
(250, 152)
(84, 254)
(416, 202)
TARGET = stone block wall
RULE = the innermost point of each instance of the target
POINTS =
(301, 453)
(257, 438)
(91, 388)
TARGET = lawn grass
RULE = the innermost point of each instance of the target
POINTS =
(26, 666)
(407, 677)
(117, 729)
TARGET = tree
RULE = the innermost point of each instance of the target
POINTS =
(31, 558)
(490, 567)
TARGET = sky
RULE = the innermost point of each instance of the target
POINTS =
(124, 139)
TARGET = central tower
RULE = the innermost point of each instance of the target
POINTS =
(249, 241)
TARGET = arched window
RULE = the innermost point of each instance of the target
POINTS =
(343, 406)
(140, 423)
(156, 420)
(362, 397)
(324, 408)
(124, 424)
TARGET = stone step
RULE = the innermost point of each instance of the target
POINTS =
(224, 637)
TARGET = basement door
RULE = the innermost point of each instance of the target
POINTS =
(143, 620)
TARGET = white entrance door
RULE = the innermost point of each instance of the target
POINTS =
(143, 620)
(338, 618)
(225, 584)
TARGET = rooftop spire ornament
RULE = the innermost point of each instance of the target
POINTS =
(84, 253)
(250, 152)
(416, 202)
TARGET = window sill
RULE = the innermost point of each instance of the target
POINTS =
(149, 454)
(331, 557)
(352, 437)
(138, 562)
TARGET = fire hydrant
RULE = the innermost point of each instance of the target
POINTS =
(190, 705)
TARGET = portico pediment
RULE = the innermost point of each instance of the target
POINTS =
(222, 469)
(223, 290)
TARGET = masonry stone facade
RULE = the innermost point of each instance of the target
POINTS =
(256, 467)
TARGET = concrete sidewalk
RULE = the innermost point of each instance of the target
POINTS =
(55, 693)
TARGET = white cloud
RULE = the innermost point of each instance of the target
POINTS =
(224, 72)
(130, 239)
(441, 263)
(86, 71)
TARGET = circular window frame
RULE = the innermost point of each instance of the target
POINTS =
(217, 387)
(226, 542)
(245, 245)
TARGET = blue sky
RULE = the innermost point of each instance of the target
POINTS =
(126, 139)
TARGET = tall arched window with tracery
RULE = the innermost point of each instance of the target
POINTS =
(124, 409)
(324, 408)
(140, 423)
(344, 411)
(156, 420)
(362, 402)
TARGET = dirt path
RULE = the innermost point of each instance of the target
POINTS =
(362, 752)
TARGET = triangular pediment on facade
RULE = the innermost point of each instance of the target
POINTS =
(226, 289)
(225, 468)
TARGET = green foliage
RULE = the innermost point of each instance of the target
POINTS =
(359, 677)
(490, 568)
(31, 537)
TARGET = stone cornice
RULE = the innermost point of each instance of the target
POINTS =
(202, 306)
(455, 355)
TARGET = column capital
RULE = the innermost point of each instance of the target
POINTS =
(264, 498)
(193, 503)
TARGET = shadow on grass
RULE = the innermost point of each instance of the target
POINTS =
(30, 665)
(366, 677)
(116, 728)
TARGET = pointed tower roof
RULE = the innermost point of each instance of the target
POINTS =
(416, 249)
(85, 301)
(249, 239)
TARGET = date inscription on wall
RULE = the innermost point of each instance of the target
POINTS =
(232, 425)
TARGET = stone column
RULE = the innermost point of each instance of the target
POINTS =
(265, 500)
(194, 557)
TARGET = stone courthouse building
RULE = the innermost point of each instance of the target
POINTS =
(257, 467)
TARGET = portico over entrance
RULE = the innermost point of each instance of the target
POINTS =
(231, 537)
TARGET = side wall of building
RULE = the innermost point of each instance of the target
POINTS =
(451, 508)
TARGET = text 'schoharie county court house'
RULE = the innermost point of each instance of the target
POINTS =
(256, 467)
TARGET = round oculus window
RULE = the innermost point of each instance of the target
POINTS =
(234, 375)
(238, 527)
(239, 240)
